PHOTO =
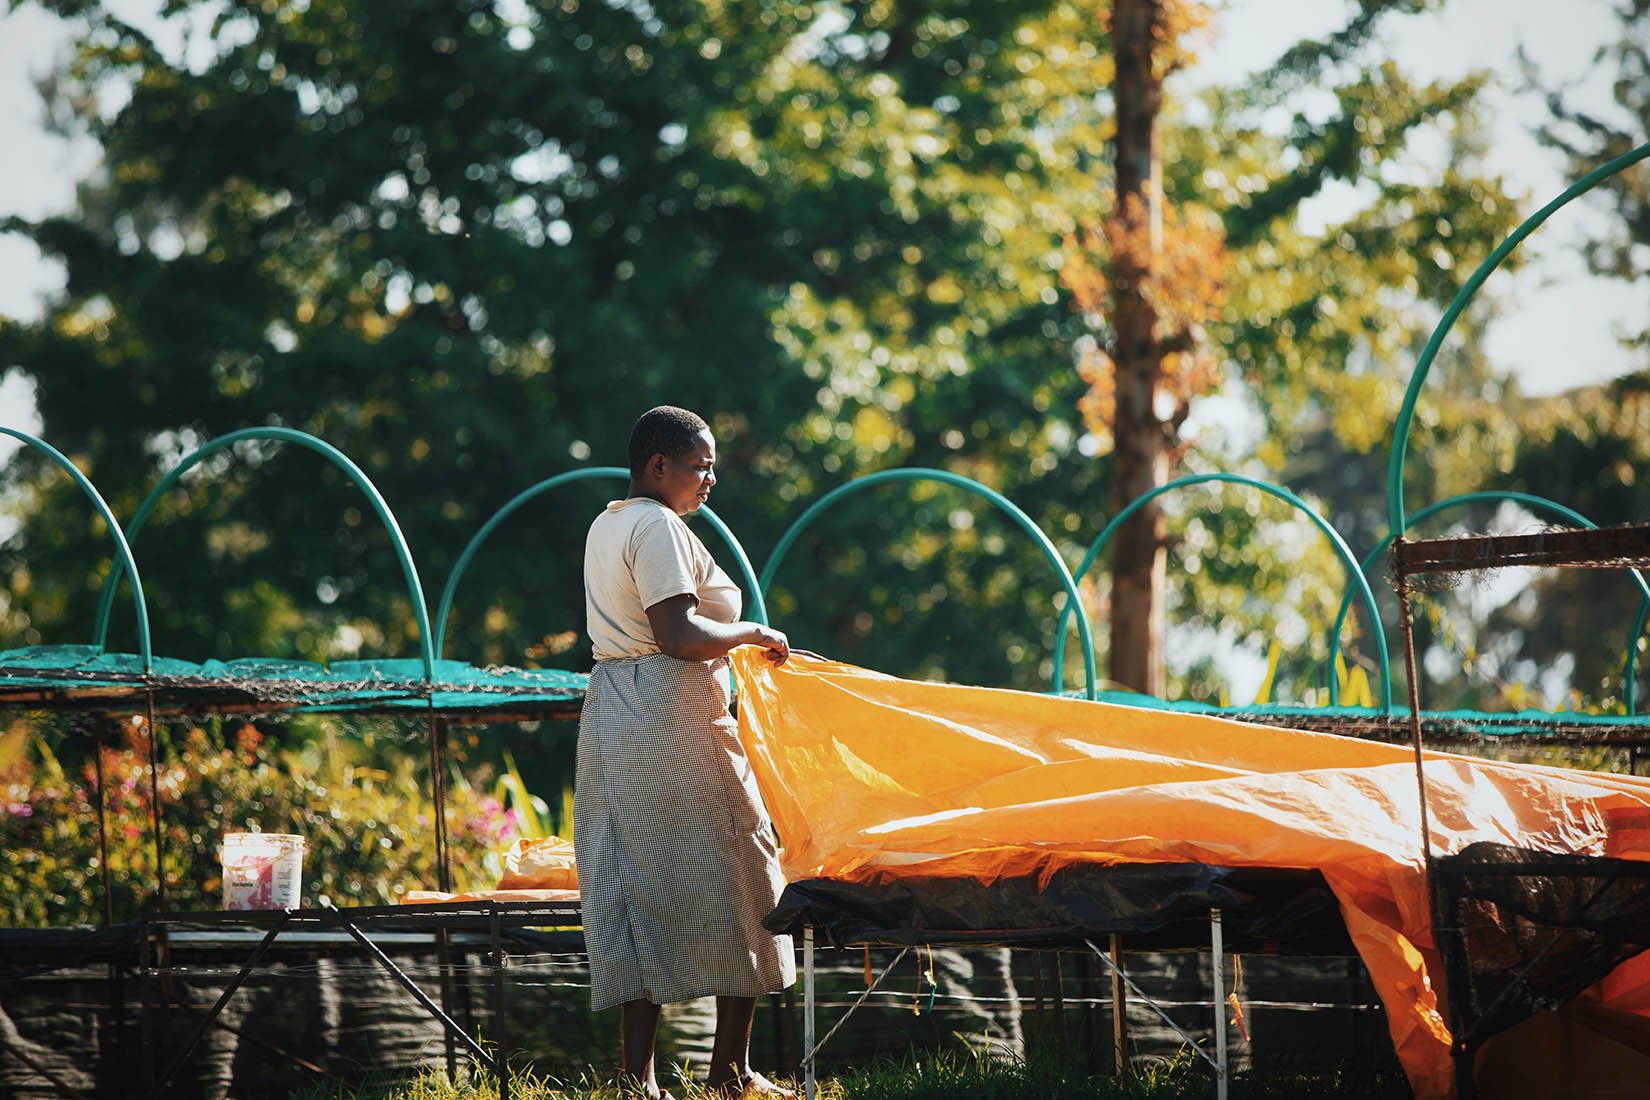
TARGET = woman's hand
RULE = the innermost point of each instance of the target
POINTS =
(776, 647)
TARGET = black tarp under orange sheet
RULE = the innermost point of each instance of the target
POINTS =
(869, 778)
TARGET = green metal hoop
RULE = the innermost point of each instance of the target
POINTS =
(303, 439)
(759, 609)
(123, 558)
(1354, 574)
(1406, 412)
(1008, 507)
(1630, 675)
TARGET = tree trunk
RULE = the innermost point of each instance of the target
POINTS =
(1140, 460)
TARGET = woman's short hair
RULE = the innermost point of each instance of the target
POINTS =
(666, 430)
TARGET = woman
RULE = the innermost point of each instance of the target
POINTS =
(675, 853)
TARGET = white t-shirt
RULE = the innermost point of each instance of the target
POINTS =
(640, 553)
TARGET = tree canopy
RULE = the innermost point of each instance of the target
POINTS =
(467, 243)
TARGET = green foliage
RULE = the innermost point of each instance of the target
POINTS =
(1589, 137)
(947, 1075)
(531, 811)
(1587, 450)
(467, 243)
(1562, 642)
(434, 1084)
(952, 1074)
(361, 805)
(1324, 318)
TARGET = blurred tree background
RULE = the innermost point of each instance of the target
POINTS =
(1588, 450)
(468, 242)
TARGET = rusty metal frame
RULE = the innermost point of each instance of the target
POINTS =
(1625, 546)
(487, 917)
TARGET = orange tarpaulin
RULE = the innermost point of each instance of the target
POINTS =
(868, 776)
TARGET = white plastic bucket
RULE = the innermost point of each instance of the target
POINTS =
(262, 870)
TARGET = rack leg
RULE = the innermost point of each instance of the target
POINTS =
(501, 1032)
(810, 1084)
(1217, 946)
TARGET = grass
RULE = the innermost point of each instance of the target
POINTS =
(947, 1075)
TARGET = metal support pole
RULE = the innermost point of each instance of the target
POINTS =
(223, 1000)
(1218, 949)
(1041, 1013)
(154, 792)
(1197, 1048)
(810, 1083)
(444, 973)
(501, 1032)
(163, 1000)
(808, 1058)
(118, 1025)
(1059, 1004)
(1443, 934)
(102, 828)
(412, 987)
(146, 1005)
(1086, 1020)
(438, 794)
(437, 731)
(1412, 673)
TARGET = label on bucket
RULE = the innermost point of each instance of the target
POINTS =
(262, 870)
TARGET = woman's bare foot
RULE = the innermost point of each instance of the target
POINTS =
(752, 1086)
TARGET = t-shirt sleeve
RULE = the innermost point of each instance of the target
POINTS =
(664, 564)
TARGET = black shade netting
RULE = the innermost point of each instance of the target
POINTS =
(1161, 906)
(1524, 932)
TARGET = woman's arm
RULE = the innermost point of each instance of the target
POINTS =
(685, 634)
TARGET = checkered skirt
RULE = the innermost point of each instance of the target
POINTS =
(675, 852)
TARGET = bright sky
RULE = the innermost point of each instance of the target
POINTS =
(1561, 326)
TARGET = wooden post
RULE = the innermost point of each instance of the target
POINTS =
(1119, 1010)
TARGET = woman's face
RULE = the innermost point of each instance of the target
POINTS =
(684, 481)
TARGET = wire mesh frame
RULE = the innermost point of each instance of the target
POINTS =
(1218, 1061)
(403, 553)
(1619, 547)
(1529, 501)
(488, 918)
(452, 1035)
(1456, 892)
(184, 692)
(96, 732)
